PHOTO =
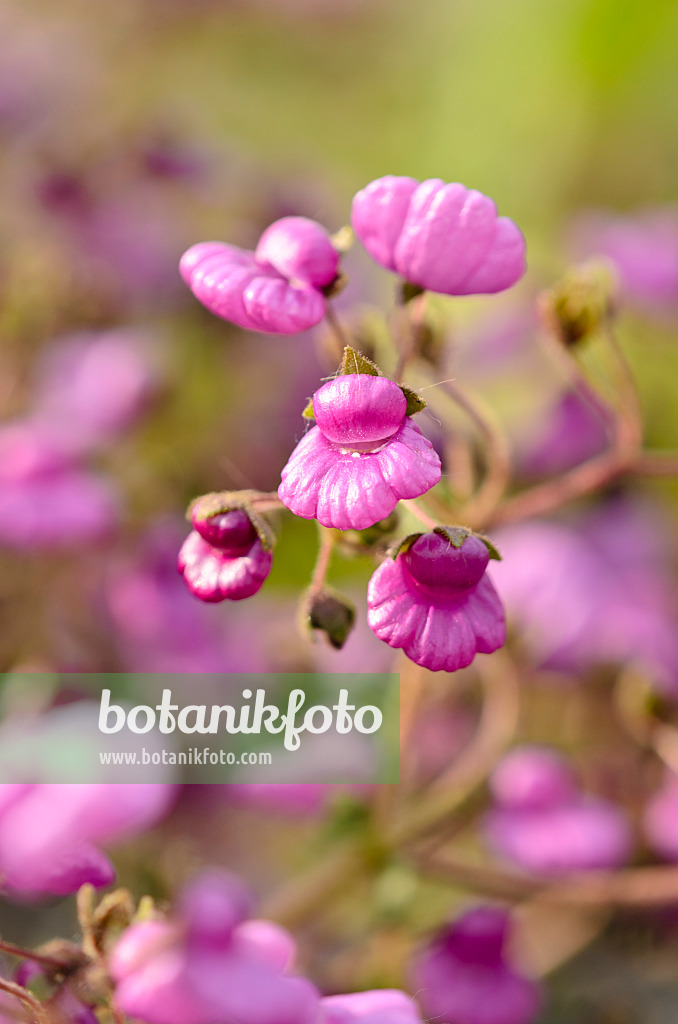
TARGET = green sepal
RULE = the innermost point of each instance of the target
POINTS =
(458, 534)
(401, 546)
(355, 362)
(409, 291)
(415, 403)
(455, 534)
(308, 411)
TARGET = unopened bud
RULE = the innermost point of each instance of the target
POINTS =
(582, 302)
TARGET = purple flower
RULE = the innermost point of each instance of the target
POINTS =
(49, 834)
(643, 248)
(542, 823)
(661, 820)
(436, 602)
(364, 455)
(379, 1006)
(223, 558)
(570, 432)
(278, 289)
(92, 385)
(595, 591)
(45, 500)
(158, 626)
(445, 238)
(210, 964)
(464, 976)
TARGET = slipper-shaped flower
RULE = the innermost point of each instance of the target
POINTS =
(365, 454)
(435, 601)
(441, 237)
(223, 558)
(278, 289)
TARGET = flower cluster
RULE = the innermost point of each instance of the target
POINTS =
(365, 453)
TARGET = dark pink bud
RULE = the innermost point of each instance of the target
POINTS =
(435, 563)
(231, 532)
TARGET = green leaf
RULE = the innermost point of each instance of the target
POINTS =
(355, 362)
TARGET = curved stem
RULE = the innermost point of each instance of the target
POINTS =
(498, 471)
(337, 330)
(37, 1010)
(328, 540)
(498, 724)
(657, 463)
(50, 962)
(424, 518)
(410, 344)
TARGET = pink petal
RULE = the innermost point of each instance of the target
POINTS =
(378, 215)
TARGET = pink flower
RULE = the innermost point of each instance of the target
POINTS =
(210, 964)
(49, 834)
(643, 248)
(379, 1006)
(45, 500)
(661, 820)
(436, 602)
(223, 558)
(364, 455)
(278, 289)
(444, 238)
(542, 823)
(465, 977)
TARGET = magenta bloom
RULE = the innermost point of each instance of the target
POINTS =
(278, 289)
(464, 976)
(661, 820)
(436, 602)
(445, 238)
(223, 558)
(210, 964)
(47, 501)
(49, 834)
(92, 385)
(351, 470)
(379, 1006)
(542, 823)
(643, 248)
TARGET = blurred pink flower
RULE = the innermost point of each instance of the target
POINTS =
(643, 248)
(50, 834)
(464, 976)
(278, 289)
(210, 964)
(541, 822)
(444, 238)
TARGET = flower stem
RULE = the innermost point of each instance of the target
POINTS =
(50, 962)
(410, 344)
(424, 518)
(336, 329)
(479, 508)
(37, 1010)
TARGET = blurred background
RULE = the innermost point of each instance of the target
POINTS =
(131, 130)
